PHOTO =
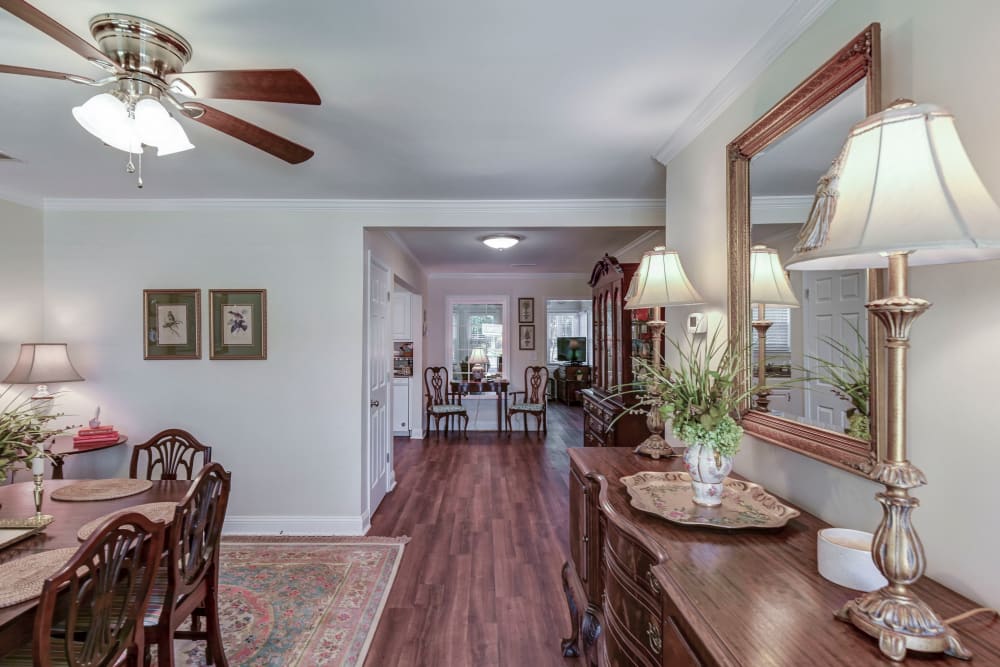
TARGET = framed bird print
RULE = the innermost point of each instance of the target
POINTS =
(171, 323)
(238, 323)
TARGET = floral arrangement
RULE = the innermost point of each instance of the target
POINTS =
(23, 429)
(699, 394)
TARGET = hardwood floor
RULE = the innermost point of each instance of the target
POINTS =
(489, 520)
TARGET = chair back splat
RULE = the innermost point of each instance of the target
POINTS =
(192, 580)
(103, 591)
(170, 455)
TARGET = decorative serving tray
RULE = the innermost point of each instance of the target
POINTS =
(744, 504)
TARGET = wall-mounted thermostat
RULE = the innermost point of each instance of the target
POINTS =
(696, 323)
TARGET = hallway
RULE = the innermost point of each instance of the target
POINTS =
(479, 582)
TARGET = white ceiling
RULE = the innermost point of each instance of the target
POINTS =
(421, 100)
(543, 250)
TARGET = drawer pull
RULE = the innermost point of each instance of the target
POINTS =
(653, 635)
(654, 585)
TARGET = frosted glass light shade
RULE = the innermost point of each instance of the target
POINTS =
(42, 363)
(904, 183)
(661, 281)
(502, 241)
(107, 118)
(768, 282)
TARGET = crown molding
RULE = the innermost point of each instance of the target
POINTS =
(640, 241)
(507, 276)
(788, 28)
(374, 206)
(780, 210)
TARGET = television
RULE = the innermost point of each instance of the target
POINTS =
(571, 349)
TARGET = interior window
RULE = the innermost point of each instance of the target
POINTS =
(476, 325)
(566, 318)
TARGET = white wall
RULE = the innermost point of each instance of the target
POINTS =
(513, 286)
(931, 51)
(291, 428)
(20, 280)
(287, 427)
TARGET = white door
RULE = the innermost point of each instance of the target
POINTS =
(379, 379)
(834, 307)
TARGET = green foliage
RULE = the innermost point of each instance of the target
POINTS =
(22, 431)
(699, 393)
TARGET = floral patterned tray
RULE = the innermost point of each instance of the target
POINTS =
(744, 504)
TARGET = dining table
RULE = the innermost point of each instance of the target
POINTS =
(17, 502)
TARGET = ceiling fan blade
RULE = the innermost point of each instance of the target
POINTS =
(58, 32)
(261, 85)
(45, 73)
(268, 142)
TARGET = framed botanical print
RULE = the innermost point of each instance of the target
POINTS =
(238, 323)
(526, 310)
(171, 324)
(526, 337)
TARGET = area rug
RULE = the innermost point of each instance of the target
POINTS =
(299, 601)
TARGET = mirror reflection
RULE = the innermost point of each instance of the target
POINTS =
(813, 323)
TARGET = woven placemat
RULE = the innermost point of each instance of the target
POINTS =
(152, 511)
(101, 489)
(22, 579)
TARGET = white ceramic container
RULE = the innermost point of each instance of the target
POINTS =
(844, 557)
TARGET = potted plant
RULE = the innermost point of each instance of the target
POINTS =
(23, 430)
(701, 400)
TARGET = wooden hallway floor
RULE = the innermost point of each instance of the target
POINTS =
(479, 582)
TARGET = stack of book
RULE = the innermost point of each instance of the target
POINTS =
(95, 437)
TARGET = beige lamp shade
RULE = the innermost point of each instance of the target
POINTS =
(660, 281)
(478, 356)
(902, 182)
(42, 363)
(768, 282)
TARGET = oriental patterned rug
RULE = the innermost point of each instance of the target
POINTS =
(300, 601)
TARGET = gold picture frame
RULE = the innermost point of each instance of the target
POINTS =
(171, 324)
(237, 324)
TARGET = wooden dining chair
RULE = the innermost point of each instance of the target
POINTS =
(533, 402)
(112, 571)
(441, 401)
(171, 454)
(188, 585)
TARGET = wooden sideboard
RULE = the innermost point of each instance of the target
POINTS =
(644, 591)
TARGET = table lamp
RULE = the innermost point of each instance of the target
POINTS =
(478, 361)
(769, 286)
(42, 364)
(903, 188)
(658, 282)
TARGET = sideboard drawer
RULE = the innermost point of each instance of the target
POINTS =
(638, 619)
(632, 559)
(676, 651)
(619, 650)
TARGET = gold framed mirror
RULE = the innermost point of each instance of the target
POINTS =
(774, 168)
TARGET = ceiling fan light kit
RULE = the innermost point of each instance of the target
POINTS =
(145, 61)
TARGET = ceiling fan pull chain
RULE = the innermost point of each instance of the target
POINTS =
(139, 183)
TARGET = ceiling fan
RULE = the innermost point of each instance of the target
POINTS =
(144, 62)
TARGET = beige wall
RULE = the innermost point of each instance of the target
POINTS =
(942, 52)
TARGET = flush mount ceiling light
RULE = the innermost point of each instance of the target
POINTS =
(502, 241)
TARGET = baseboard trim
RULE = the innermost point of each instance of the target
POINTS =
(295, 525)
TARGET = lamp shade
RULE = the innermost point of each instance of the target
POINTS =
(768, 282)
(660, 281)
(478, 356)
(902, 182)
(42, 363)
